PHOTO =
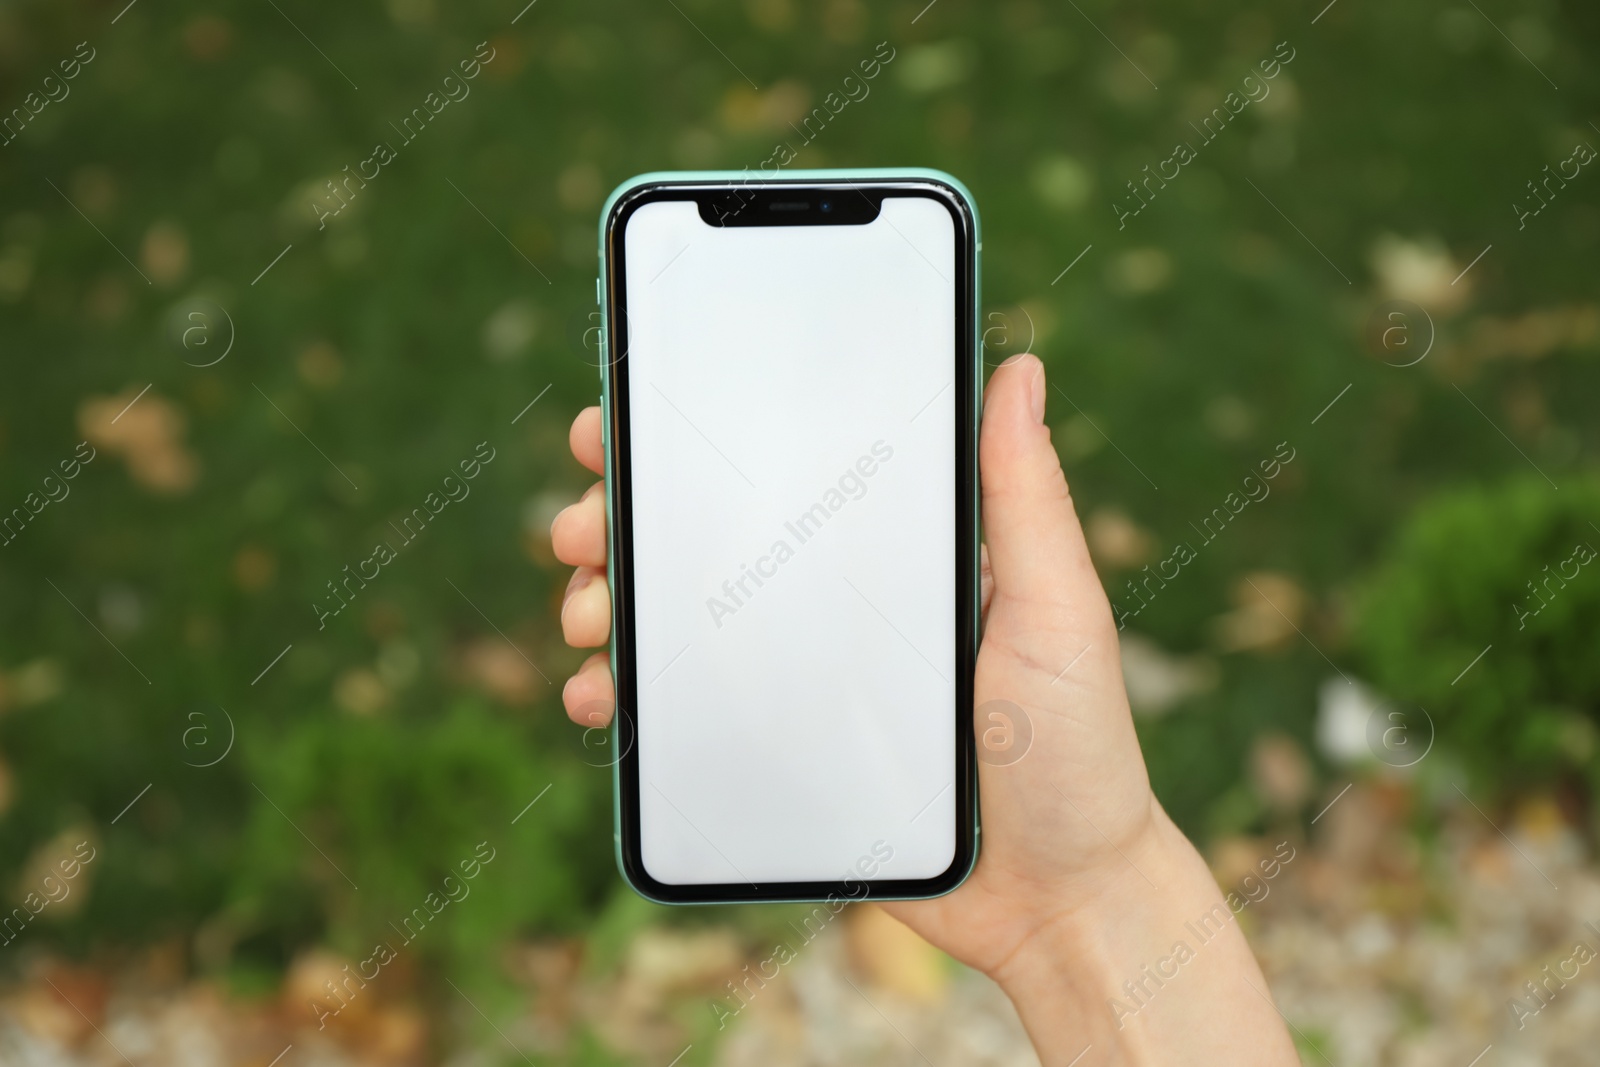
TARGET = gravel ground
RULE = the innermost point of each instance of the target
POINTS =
(1380, 951)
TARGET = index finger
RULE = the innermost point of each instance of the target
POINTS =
(585, 440)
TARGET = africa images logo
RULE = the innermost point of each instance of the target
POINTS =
(852, 485)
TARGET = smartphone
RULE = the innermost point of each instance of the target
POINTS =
(790, 395)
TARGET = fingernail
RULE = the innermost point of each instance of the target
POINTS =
(574, 587)
(1036, 392)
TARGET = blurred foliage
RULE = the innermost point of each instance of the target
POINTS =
(406, 805)
(371, 356)
(1511, 572)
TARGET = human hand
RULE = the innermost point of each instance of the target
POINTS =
(1082, 879)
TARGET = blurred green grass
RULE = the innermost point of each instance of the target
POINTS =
(1197, 338)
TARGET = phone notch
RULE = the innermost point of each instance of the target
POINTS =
(789, 206)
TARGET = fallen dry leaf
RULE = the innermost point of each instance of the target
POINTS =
(895, 957)
(501, 669)
(1270, 607)
(148, 435)
(1115, 540)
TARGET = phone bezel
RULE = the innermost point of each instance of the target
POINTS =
(620, 563)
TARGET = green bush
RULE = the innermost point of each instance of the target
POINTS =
(414, 819)
(1511, 569)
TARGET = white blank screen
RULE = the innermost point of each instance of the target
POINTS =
(792, 421)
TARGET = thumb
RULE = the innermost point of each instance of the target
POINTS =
(1036, 546)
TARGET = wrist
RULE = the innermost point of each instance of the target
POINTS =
(1085, 935)
(1148, 966)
